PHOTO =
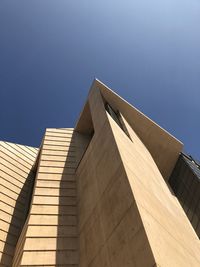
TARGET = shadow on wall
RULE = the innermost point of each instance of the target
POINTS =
(67, 232)
(67, 243)
(19, 216)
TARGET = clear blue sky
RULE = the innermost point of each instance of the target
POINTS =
(146, 51)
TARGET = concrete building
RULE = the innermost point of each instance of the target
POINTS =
(100, 195)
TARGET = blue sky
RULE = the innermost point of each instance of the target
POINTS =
(146, 51)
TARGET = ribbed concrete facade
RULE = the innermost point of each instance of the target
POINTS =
(16, 183)
(99, 194)
(51, 230)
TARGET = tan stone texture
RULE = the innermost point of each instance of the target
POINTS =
(16, 179)
(127, 213)
(96, 195)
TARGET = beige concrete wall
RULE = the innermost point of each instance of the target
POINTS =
(170, 234)
(111, 232)
(16, 179)
(50, 235)
(127, 213)
(163, 147)
(98, 200)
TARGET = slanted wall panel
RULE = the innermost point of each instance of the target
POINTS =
(110, 228)
(170, 234)
(16, 179)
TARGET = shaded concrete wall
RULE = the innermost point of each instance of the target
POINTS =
(49, 237)
(185, 182)
(16, 179)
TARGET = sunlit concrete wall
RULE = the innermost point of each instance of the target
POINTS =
(111, 231)
(50, 234)
(95, 197)
(163, 147)
(128, 215)
(16, 180)
(171, 237)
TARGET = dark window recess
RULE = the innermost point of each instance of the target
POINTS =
(185, 182)
(117, 118)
